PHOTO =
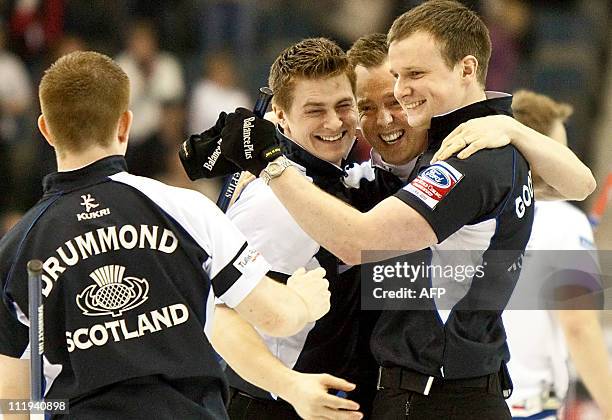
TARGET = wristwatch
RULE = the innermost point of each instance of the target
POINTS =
(275, 169)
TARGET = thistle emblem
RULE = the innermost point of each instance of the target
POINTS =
(112, 293)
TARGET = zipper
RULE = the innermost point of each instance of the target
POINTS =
(408, 408)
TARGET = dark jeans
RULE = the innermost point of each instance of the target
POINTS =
(442, 403)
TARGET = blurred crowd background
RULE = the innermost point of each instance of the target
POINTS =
(190, 59)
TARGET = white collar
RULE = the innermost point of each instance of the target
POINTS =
(400, 171)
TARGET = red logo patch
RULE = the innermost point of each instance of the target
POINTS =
(434, 183)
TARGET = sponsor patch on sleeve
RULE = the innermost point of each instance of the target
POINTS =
(434, 183)
(247, 257)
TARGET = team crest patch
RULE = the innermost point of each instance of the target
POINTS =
(434, 182)
(112, 294)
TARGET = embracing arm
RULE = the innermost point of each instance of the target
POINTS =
(564, 175)
(344, 231)
(558, 173)
(391, 225)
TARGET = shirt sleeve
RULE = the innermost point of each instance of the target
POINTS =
(269, 227)
(14, 336)
(453, 193)
(234, 267)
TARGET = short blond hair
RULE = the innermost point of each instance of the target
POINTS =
(311, 58)
(459, 30)
(539, 111)
(82, 96)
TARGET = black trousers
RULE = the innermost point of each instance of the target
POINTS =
(245, 407)
(443, 402)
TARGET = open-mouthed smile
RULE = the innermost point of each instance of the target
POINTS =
(331, 138)
(414, 104)
(392, 137)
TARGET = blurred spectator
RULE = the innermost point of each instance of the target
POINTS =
(372, 17)
(230, 24)
(34, 25)
(15, 102)
(217, 91)
(67, 44)
(508, 22)
(61, 46)
(15, 93)
(178, 23)
(150, 157)
(156, 78)
(99, 23)
(169, 168)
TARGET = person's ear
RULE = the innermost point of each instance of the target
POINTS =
(125, 123)
(280, 115)
(44, 130)
(469, 68)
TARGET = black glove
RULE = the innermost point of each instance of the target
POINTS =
(249, 141)
(201, 154)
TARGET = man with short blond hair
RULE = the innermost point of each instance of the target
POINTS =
(75, 90)
(132, 270)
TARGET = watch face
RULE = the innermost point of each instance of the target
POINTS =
(277, 169)
(274, 169)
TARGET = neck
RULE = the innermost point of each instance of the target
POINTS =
(72, 161)
(311, 152)
(474, 95)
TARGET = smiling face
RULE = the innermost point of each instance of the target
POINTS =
(425, 86)
(382, 119)
(322, 117)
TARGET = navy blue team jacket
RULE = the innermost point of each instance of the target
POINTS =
(131, 271)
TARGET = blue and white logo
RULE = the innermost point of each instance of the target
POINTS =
(437, 176)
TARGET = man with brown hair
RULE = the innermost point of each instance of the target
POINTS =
(557, 172)
(383, 124)
(446, 359)
(132, 269)
(538, 368)
(313, 84)
(382, 119)
(395, 146)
